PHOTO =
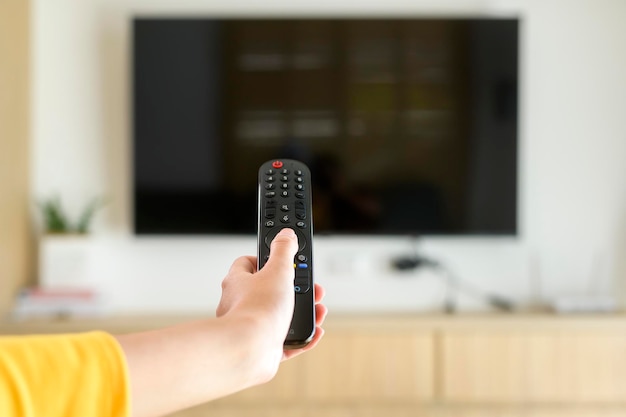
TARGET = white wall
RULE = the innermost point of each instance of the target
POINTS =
(573, 148)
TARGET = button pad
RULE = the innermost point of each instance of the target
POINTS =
(286, 203)
(288, 179)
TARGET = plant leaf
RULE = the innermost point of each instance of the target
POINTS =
(87, 215)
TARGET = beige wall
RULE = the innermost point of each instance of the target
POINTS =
(16, 246)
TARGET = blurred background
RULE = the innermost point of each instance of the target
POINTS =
(467, 157)
(485, 135)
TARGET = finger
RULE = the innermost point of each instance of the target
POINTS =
(282, 251)
(244, 264)
(319, 333)
(320, 292)
(320, 314)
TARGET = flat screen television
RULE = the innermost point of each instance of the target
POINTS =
(409, 125)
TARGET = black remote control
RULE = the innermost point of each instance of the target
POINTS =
(284, 200)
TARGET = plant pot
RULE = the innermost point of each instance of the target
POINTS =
(63, 261)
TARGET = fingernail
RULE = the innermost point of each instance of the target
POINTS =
(286, 232)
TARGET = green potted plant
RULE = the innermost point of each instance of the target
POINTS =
(57, 222)
(64, 245)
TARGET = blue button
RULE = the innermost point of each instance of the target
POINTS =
(303, 266)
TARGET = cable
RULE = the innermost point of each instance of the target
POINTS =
(453, 281)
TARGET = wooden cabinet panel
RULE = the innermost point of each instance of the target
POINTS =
(208, 410)
(526, 366)
(312, 410)
(351, 367)
(485, 411)
(379, 367)
(391, 410)
(593, 412)
(525, 411)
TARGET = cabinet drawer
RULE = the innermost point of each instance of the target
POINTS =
(528, 366)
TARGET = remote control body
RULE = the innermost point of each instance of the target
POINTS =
(284, 200)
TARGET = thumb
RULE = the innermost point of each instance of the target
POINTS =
(282, 251)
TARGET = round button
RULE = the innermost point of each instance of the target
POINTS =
(277, 164)
(269, 236)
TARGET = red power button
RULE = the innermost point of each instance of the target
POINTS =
(277, 164)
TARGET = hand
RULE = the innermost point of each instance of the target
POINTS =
(187, 364)
(267, 297)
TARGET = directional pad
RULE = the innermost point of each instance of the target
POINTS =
(272, 233)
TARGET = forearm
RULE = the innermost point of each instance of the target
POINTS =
(185, 365)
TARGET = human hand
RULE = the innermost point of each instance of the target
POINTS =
(265, 298)
(187, 364)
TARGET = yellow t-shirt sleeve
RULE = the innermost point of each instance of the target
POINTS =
(82, 375)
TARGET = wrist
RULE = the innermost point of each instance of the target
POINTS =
(259, 350)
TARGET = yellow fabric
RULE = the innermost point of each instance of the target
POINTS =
(82, 375)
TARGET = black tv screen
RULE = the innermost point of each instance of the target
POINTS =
(409, 125)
